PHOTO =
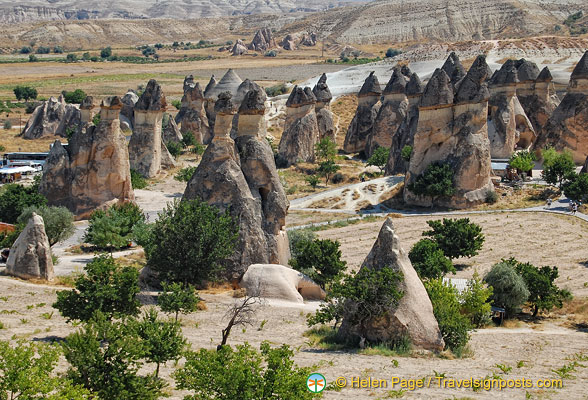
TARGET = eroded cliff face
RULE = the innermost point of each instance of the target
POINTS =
(361, 126)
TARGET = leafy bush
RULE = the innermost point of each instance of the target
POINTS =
(523, 160)
(174, 148)
(313, 181)
(185, 174)
(15, 198)
(557, 167)
(320, 260)
(429, 261)
(176, 298)
(456, 237)
(277, 90)
(106, 52)
(475, 302)
(71, 57)
(296, 236)
(25, 93)
(33, 58)
(58, 50)
(436, 182)
(188, 139)
(325, 149)
(198, 149)
(96, 119)
(392, 52)
(75, 97)
(7, 124)
(576, 188)
(453, 325)
(43, 50)
(379, 158)
(327, 169)
(189, 240)
(491, 197)
(243, 373)
(543, 293)
(137, 180)
(105, 357)
(26, 50)
(338, 178)
(59, 221)
(406, 153)
(271, 53)
(177, 104)
(27, 372)
(509, 289)
(106, 287)
(113, 228)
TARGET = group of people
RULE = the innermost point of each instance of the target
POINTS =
(574, 205)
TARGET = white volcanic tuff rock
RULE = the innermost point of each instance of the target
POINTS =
(539, 99)
(230, 82)
(52, 117)
(171, 132)
(263, 40)
(127, 113)
(239, 48)
(324, 116)
(241, 176)
(412, 317)
(192, 114)
(30, 255)
(301, 132)
(367, 109)
(94, 171)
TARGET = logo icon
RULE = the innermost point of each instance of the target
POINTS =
(316, 383)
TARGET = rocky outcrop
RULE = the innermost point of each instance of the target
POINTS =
(301, 132)
(239, 48)
(404, 135)
(308, 39)
(392, 113)
(538, 98)
(171, 132)
(230, 82)
(412, 317)
(30, 255)
(273, 281)
(509, 128)
(263, 40)
(52, 117)
(94, 171)
(146, 146)
(289, 42)
(240, 175)
(324, 116)
(567, 128)
(192, 115)
(454, 69)
(127, 114)
(367, 109)
(453, 130)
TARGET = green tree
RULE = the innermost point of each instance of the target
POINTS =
(475, 302)
(543, 293)
(392, 52)
(75, 97)
(454, 326)
(25, 93)
(296, 236)
(106, 52)
(325, 149)
(456, 237)
(523, 160)
(185, 174)
(71, 57)
(313, 181)
(59, 221)
(557, 167)
(27, 372)
(105, 357)
(15, 198)
(33, 58)
(320, 260)
(244, 373)
(576, 188)
(379, 158)
(25, 50)
(327, 169)
(429, 261)
(189, 240)
(177, 298)
(113, 228)
(174, 148)
(406, 153)
(137, 180)
(105, 287)
(436, 182)
(509, 289)
(58, 50)
(188, 139)
(163, 339)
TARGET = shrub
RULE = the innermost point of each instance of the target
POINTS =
(105, 357)
(27, 372)
(379, 158)
(491, 197)
(325, 149)
(15, 198)
(112, 229)
(436, 182)
(299, 235)
(33, 58)
(7, 124)
(244, 373)
(71, 57)
(320, 260)
(25, 50)
(59, 221)
(188, 139)
(96, 119)
(177, 104)
(185, 174)
(189, 240)
(577, 187)
(453, 325)
(338, 178)
(313, 181)
(557, 167)
(456, 237)
(543, 293)
(25, 93)
(392, 52)
(429, 261)
(105, 287)
(271, 53)
(176, 298)
(406, 153)
(475, 302)
(523, 160)
(75, 97)
(509, 290)
(106, 52)
(277, 90)
(327, 169)
(58, 50)
(174, 148)
(198, 149)
(137, 180)
(43, 50)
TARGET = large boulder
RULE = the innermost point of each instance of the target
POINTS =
(362, 123)
(93, 172)
(240, 175)
(567, 128)
(239, 48)
(301, 132)
(289, 42)
(30, 255)
(308, 39)
(52, 117)
(274, 281)
(263, 40)
(413, 316)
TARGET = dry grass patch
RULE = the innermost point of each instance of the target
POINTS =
(12, 142)
(344, 108)
(514, 199)
(136, 259)
(575, 313)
